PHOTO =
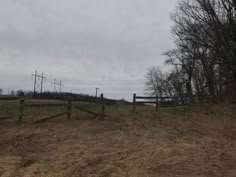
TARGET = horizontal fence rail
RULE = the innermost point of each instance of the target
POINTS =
(87, 111)
(36, 105)
(146, 102)
(6, 117)
(143, 97)
(50, 117)
(9, 98)
(101, 102)
(135, 97)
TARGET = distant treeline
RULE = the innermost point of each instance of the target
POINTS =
(61, 96)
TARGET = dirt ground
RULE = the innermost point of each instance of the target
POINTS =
(189, 142)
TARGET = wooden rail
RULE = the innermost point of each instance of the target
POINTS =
(135, 97)
(50, 117)
(87, 111)
(41, 105)
(143, 97)
(101, 115)
(9, 98)
(6, 117)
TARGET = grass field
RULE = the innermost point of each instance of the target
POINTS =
(191, 141)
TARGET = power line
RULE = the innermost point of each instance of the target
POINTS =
(87, 83)
(108, 81)
(111, 80)
(105, 83)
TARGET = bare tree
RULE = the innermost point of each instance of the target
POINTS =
(205, 38)
(155, 82)
(13, 93)
(204, 60)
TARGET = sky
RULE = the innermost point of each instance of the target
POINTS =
(86, 44)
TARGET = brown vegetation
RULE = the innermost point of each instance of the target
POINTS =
(186, 141)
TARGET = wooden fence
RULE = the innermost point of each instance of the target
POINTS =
(101, 114)
(68, 112)
(150, 100)
(162, 101)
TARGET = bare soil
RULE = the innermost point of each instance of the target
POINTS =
(187, 142)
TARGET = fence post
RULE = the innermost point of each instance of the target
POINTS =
(174, 100)
(157, 102)
(21, 110)
(69, 106)
(103, 107)
(134, 102)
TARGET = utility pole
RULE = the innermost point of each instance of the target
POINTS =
(36, 84)
(55, 83)
(42, 78)
(35, 81)
(60, 86)
(96, 92)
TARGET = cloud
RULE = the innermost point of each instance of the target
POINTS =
(83, 40)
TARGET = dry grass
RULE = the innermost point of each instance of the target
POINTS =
(197, 141)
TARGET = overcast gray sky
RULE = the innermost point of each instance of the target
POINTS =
(85, 43)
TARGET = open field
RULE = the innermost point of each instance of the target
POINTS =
(197, 141)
